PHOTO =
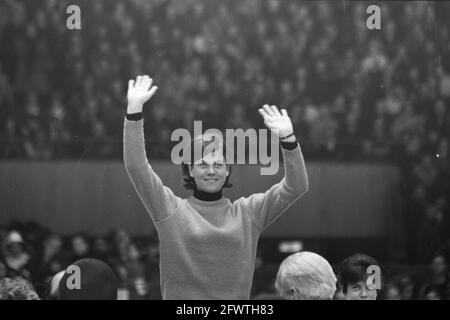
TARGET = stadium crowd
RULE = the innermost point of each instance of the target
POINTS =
(353, 94)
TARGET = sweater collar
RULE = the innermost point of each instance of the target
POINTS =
(207, 196)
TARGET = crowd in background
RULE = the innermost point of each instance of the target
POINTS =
(31, 255)
(37, 254)
(353, 94)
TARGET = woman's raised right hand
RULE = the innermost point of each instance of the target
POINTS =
(139, 92)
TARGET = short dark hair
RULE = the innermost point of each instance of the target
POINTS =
(354, 269)
(188, 181)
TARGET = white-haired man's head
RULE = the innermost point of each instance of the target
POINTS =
(306, 276)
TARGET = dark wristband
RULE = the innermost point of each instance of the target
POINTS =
(134, 116)
(288, 136)
(289, 145)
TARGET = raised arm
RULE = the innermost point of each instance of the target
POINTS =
(265, 207)
(159, 200)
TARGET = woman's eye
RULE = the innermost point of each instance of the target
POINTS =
(218, 165)
(203, 165)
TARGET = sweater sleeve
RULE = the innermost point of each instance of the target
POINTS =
(264, 208)
(159, 200)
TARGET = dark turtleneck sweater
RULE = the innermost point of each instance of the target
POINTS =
(207, 196)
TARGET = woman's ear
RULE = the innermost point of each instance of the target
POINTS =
(190, 171)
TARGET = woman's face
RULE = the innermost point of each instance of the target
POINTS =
(210, 172)
(360, 291)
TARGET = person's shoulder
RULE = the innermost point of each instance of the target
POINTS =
(246, 200)
(246, 203)
(239, 201)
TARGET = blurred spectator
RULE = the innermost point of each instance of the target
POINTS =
(392, 292)
(51, 261)
(131, 259)
(101, 250)
(440, 274)
(120, 238)
(52, 251)
(430, 292)
(375, 60)
(15, 256)
(407, 288)
(139, 289)
(80, 247)
(436, 284)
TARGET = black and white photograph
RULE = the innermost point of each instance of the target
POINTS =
(247, 151)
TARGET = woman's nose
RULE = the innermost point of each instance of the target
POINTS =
(363, 292)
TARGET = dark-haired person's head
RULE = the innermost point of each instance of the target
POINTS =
(355, 277)
(86, 279)
(207, 170)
